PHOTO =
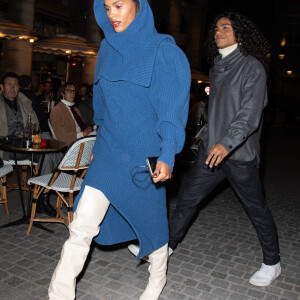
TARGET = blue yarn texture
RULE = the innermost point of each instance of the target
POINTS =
(141, 96)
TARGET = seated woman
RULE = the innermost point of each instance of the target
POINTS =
(66, 119)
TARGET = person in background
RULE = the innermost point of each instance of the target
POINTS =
(40, 90)
(85, 104)
(48, 97)
(141, 96)
(25, 82)
(65, 118)
(15, 108)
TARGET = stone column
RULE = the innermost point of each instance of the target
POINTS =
(174, 19)
(18, 53)
(93, 35)
(22, 12)
(17, 56)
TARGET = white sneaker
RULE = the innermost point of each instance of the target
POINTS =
(134, 249)
(265, 275)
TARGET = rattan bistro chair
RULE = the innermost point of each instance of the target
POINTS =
(66, 180)
(3, 195)
(24, 164)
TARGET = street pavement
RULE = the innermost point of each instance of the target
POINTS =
(214, 261)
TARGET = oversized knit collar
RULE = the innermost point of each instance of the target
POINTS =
(128, 55)
(235, 57)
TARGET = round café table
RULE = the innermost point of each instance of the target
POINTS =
(18, 146)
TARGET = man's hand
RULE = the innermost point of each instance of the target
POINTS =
(87, 131)
(216, 154)
(162, 172)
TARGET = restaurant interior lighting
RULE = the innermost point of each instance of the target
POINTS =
(200, 81)
(281, 56)
(20, 37)
(283, 42)
(68, 51)
(207, 90)
(31, 40)
(289, 72)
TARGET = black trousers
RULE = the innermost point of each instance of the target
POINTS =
(245, 180)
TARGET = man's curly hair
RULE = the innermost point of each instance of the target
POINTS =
(250, 39)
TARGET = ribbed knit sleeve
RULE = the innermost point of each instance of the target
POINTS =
(170, 99)
(252, 102)
(98, 104)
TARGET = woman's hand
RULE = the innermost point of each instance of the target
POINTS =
(162, 172)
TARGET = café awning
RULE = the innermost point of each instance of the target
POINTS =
(200, 77)
(11, 30)
(66, 45)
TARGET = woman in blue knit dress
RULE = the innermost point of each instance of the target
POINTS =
(141, 95)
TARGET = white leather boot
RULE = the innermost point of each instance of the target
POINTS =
(158, 273)
(90, 212)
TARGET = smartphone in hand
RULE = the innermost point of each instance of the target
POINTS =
(151, 164)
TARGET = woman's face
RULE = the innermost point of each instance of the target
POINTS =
(69, 93)
(120, 13)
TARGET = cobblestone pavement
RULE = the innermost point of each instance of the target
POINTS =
(214, 261)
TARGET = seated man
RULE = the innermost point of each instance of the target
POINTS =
(66, 119)
(15, 108)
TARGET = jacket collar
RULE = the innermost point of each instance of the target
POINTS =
(235, 57)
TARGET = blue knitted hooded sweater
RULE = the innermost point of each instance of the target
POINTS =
(141, 96)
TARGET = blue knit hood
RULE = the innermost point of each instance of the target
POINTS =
(128, 55)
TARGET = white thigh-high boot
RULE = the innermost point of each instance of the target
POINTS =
(158, 273)
(90, 212)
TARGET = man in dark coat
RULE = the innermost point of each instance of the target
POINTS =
(230, 147)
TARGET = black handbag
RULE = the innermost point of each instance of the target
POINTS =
(1, 162)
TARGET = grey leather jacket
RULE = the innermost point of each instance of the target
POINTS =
(238, 95)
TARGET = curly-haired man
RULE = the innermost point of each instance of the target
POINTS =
(230, 149)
